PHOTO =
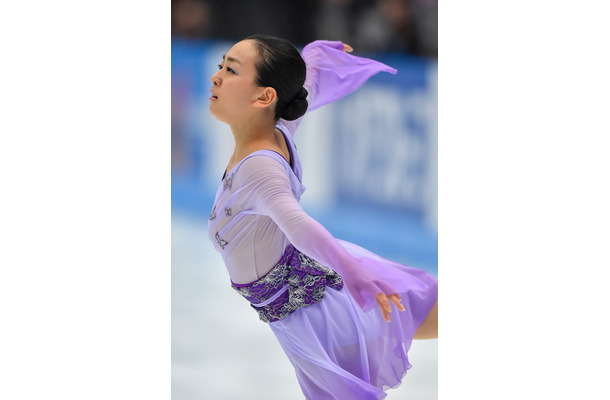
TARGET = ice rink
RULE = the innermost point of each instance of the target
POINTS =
(221, 350)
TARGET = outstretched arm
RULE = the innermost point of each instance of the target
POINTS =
(269, 194)
(333, 73)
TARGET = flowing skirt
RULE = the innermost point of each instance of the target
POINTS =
(340, 351)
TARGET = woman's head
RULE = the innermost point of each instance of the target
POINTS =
(281, 67)
(259, 72)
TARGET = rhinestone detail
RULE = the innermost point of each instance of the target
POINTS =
(227, 182)
(228, 211)
(213, 214)
(221, 243)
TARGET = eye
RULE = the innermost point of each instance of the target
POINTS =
(229, 69)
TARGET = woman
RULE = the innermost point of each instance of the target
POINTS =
(325, 300)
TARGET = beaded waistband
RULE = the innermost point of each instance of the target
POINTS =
(294, 282)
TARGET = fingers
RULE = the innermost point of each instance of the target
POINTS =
(395, 298)
(347, 48)
(384, 304)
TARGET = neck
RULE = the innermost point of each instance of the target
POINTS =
(256, 135)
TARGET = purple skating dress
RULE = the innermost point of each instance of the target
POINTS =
(316, 292)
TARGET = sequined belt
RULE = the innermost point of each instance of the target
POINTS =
(295, 281)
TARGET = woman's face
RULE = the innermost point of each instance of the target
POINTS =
(234, 89)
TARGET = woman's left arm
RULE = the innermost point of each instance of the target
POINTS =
(269, 192)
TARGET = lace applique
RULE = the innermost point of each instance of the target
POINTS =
(295, 282)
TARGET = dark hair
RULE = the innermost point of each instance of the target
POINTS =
(281, 67)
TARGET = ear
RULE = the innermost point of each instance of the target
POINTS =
(266, 97)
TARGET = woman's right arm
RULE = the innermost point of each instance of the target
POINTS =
(333, 73)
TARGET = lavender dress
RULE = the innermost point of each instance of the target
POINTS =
(316, 292)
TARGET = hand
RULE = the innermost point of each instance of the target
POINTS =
(361, 282)
(347, 48)
(384, 304)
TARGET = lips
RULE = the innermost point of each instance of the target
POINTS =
(213, 97)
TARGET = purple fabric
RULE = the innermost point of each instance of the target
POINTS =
(336, 69)
(331, 75)
(340, 347)
(296, 281)
(341, 352)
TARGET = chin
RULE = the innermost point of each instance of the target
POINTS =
(214, 114)
(221, 116)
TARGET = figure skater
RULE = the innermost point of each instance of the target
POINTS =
(327, 301)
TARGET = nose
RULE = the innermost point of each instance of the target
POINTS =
(215, 79)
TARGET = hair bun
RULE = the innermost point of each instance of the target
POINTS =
(296, 107)
(301, 94)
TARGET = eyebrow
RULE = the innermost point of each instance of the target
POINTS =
(232, 59)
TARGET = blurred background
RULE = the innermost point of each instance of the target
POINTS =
(370, 168)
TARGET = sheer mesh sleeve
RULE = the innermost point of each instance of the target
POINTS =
(270, 194)
(333, 74)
